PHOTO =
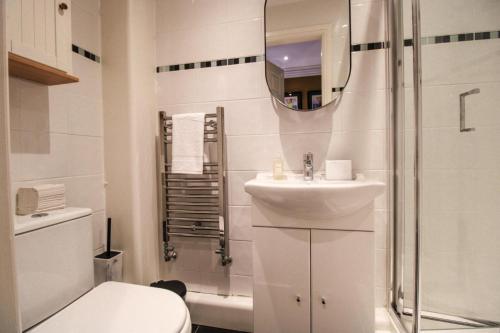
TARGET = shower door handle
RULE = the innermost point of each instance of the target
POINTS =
(462, 109)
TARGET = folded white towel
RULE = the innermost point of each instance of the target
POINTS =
(40, 198)
(187, 143)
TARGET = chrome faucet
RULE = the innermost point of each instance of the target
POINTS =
(308, 166)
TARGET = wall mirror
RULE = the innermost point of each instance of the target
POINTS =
(308, 51)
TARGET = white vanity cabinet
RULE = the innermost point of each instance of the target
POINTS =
(313, 254)
(312, 280)
(40, 30)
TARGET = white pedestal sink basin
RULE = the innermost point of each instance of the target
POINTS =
(319, 199)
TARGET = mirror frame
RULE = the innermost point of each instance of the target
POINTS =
(338, 93)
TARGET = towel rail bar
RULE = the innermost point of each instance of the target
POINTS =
(206, 140)
(191, 211)
(193, 180)
(208, 115)
(214, 188)
(206, 134)
(194, 196)
(198, 204)
(192, 235)
(193, 227)
(204, 164)
(191, 219)
(208, 172)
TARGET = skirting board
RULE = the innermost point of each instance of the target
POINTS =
(229, 312)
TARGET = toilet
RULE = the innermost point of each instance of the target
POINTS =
(55, 276)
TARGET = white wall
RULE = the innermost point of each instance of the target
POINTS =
(257, 131)
(461, 171)
(130, 129)
(56, 132)
(9, 313)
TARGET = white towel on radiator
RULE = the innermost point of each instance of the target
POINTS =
(187, 143)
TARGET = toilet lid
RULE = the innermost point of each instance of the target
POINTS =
(115, 307)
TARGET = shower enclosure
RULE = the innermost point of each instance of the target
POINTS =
(446, 163)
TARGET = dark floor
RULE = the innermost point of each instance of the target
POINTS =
(206, 329)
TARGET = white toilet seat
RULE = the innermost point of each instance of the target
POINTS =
(115, 307)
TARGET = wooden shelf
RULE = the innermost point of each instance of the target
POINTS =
(27, 69)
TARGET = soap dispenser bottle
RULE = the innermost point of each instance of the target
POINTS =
(278, 169)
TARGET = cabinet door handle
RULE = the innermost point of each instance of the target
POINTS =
(63, 6)
(297, 298)
(323, 300)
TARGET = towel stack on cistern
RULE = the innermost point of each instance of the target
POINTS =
(40, 198)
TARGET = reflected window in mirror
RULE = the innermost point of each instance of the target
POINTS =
(308, 51)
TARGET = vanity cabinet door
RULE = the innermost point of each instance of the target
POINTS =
(281, 266)
(342, 281)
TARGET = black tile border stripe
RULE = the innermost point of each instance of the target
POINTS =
(211, 63)
(464, 37)
(84, 53)
(369, 46)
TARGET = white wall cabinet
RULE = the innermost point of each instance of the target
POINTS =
(40, 30)
(313, 281)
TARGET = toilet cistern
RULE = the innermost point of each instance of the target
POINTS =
(308, 166)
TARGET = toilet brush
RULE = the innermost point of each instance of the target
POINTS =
(108, 240)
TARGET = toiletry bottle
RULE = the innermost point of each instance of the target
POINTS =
(278, 169)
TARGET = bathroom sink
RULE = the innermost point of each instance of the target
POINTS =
(317, 199)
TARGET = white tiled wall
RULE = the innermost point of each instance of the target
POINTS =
(257, 130)
(56, 131)
(461, 187)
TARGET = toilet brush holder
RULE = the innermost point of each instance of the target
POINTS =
(108, 266)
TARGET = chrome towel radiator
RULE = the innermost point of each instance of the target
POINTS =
(195, 205)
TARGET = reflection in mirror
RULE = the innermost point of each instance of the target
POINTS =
(308, 51)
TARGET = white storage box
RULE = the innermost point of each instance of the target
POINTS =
(338, 170)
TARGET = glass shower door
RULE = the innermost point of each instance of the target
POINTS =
(460, 211)
(460, 165)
